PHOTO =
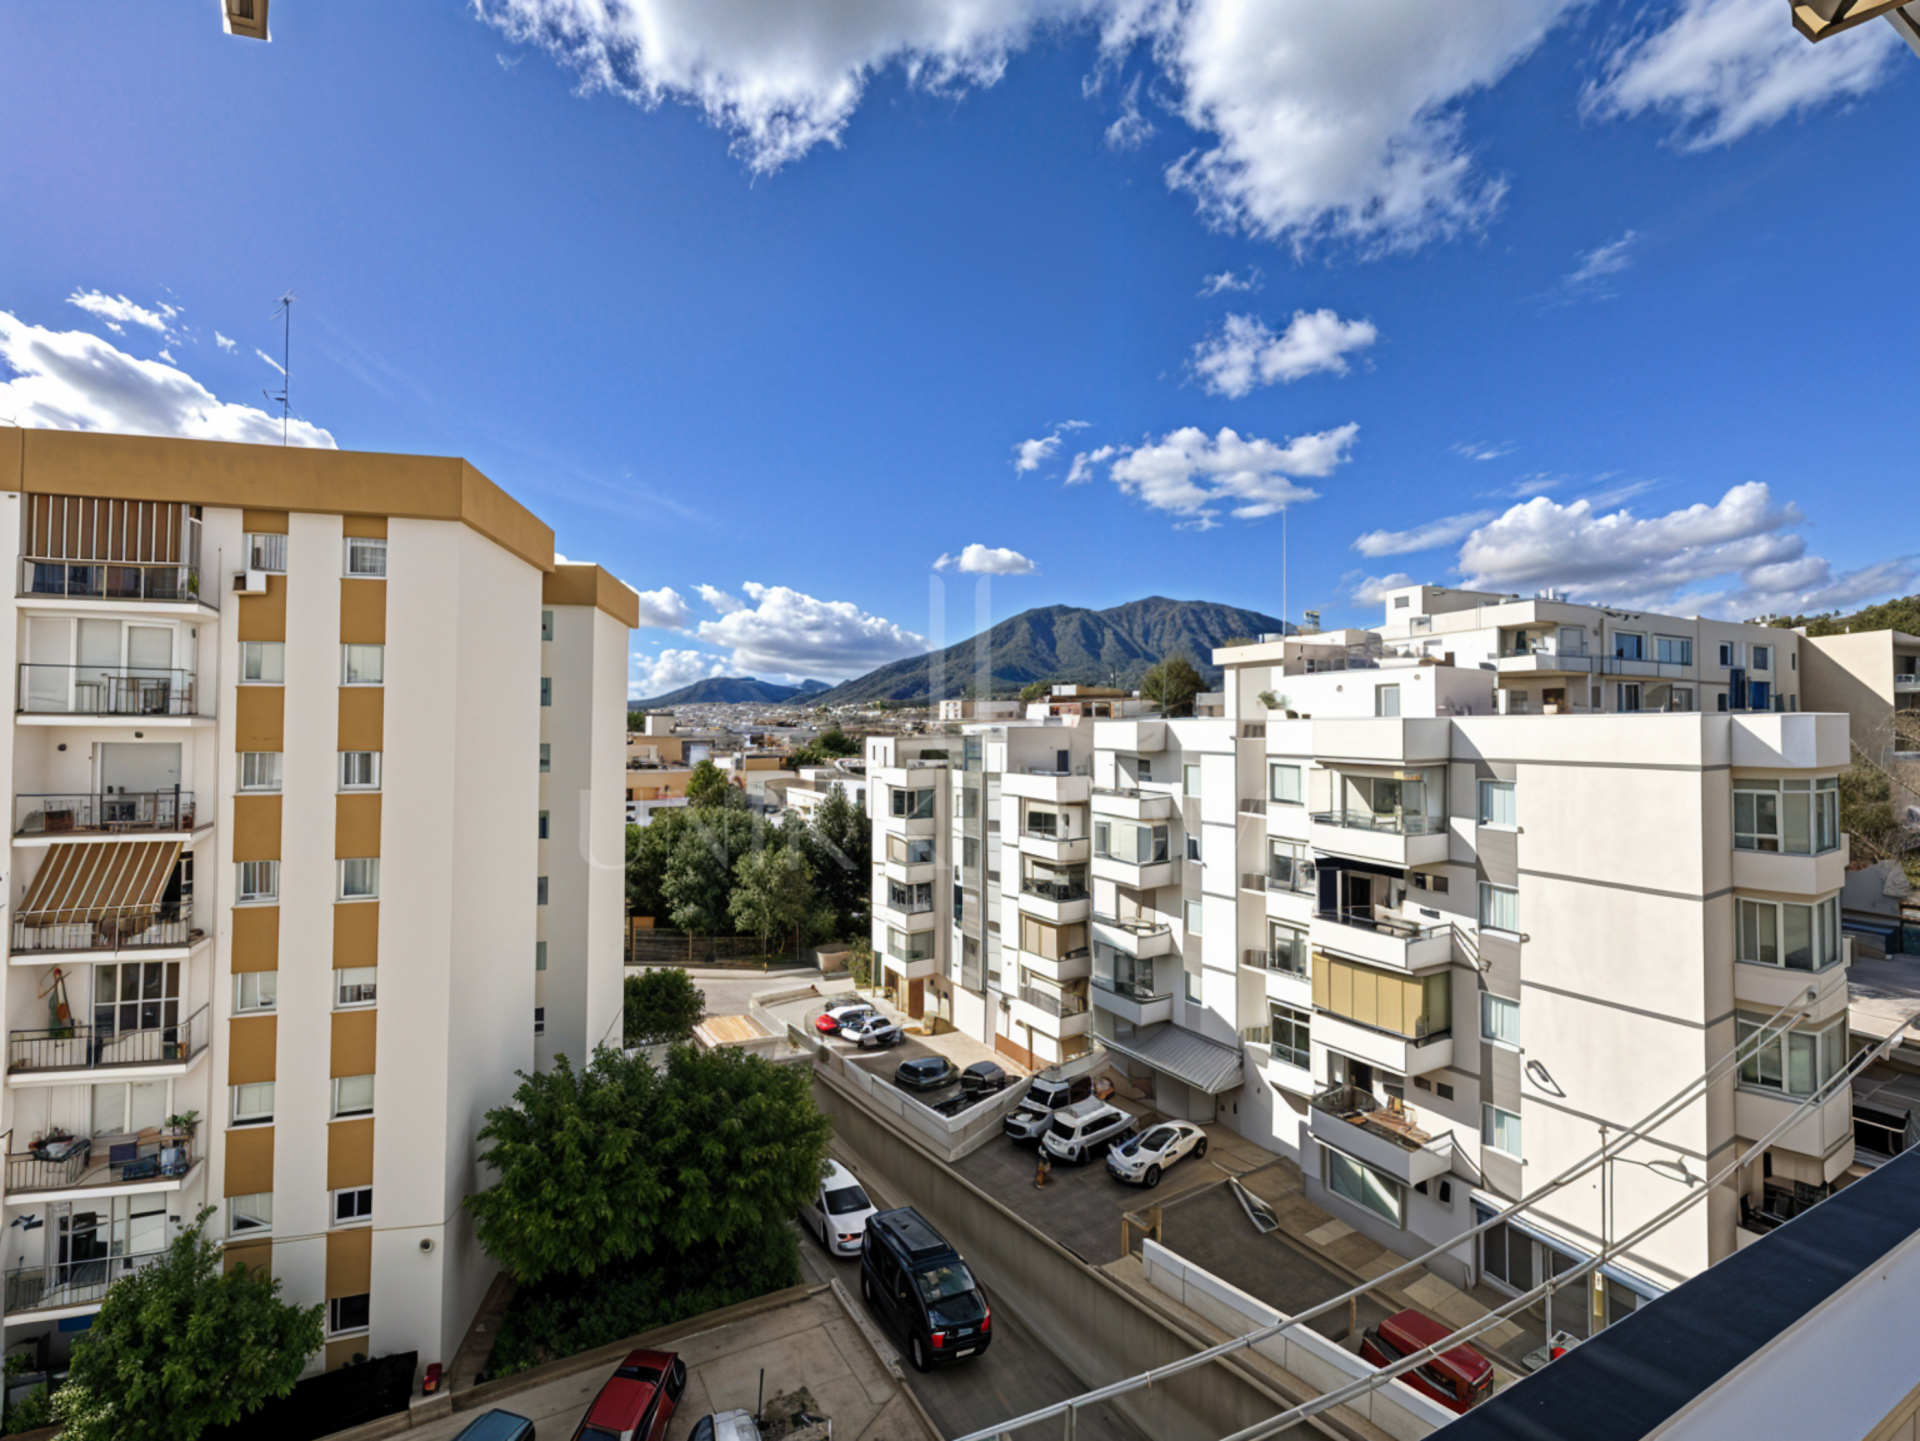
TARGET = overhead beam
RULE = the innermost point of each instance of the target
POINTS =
(1818, 19)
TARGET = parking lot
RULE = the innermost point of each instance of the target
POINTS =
(883, 1061)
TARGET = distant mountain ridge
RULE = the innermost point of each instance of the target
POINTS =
(1064, 643)
(731, 690)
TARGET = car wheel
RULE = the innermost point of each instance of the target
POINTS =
(919, 1355)
(1152, 1178)
(1200, 1147)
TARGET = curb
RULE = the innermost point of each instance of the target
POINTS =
(884, 1355)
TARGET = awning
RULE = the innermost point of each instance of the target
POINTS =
(1188, 1056)
(90, 882)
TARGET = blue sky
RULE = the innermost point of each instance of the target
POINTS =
(771, 306)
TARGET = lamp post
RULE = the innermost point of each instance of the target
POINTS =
(1672, 1170)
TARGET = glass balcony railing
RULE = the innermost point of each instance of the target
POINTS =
(109, 580)
(1054, 1003)
(70, 1283)
(1393, 824)
(1132, 990)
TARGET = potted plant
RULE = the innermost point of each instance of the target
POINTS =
(183, 1124)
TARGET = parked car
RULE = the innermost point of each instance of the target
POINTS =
(1028, 1121)
(1084, 1130)
(834, 1017)
(838, 1215)
(1140, 1159)
(871, 1031)
(913, 1278)
(984, 1077)
(926, 1073)
(1458, 1379)
(726, 1426)
(497, 1425)
(637, 1402)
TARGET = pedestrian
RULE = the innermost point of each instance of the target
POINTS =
(1042, 1170)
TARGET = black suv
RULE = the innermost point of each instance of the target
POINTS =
(926, 1073)
(912, 1277)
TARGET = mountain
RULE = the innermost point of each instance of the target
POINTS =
(1068, 644)
(731, 690)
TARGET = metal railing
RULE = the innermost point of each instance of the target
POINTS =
(1292, 962)
(1083, 768)
(70, 1283)
(1054, 890)
(1398, 929)
(1132, 990)
(1135, 925)
(907, 905)
(1130, 793)
(1404, 825)
(1253, 731)
(105, 690)
(908, 956)
(131, 1160)
(111, 812)
(104, 928)
(1055, 1003)
(93, 1048)
(1253, 807)
(1374, 1116)
(1906, 682)
(108, 580)
(1252, 881)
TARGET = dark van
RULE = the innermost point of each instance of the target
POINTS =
(912, 1277)
(1458, 1379)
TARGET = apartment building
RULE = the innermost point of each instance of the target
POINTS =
(1872, 676)
(285, 864)
(1422, 934)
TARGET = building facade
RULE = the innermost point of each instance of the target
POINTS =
(287, 877)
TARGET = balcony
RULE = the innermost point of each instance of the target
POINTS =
(1134, 803)
(1394, 839)
(106, 930)
(1074, 965)
(1906, 683)
(903, 913)
(1056, 902)
(1544, 662)
(91, 1165)
(91, 690)
(1825, 1132)
(1037, 783)
(70, 1285)
(1801, 875)
(918, 823)
(1413, 1055)
(1352, 1121)
(915, 964)
(1052, 1012)
(145, 582)
(910, 873)
(1141, 936)
(50, 1055)
(169, 812)
(1131, 1001)
(1384, 939)
(1054, 845)
(1137, 875)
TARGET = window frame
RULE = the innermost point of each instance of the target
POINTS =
(1335, 1160)
(245, 895)
(1298, 1024)
(1191, 989)
(1681, 647)
(1489, 787)
(242, 786)
(539, 1020)
(1825, 928)
(1299, 796)
(254, 539)
(546, 625)
(1492, 1006)
(334, 1329)
(539, 955)
(1191, 912)
(543, 890)
(373, 765)
(352, 651)
(360, 1197)
(370, 874)
(1638, 637)
(262, 1228)
(1190, 778)
(240, 989)
(334, 1111)
(546, 691)
(237, 1117)
(546, 757)
(1487, 890)
(1491, 1130)
(357, 1003)
(263, 651)
(374, 545)
(1382, 694)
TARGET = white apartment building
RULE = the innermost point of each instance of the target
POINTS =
(284, 860)
(1389, 919)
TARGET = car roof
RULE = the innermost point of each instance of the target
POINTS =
(1412, 1331)
(922, 1062)
(837, 1176)
(495, 1426)
(984, 1068)
(735, 1426)
(913, 1231)
(1081, 1110)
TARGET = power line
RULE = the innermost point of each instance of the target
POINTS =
(284, 310)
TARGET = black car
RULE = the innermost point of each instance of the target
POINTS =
(925, 1073)
(919, 1284)
(984, 1076)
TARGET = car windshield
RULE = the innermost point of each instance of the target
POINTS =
(847, 1198)
(1063, 1129)
(638, 1373)
(1157, 1139)
(940, 1283)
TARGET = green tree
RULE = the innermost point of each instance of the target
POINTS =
(179, 1347)
(710, 788)
(860, 960)
(1172, 684)
(836, 743)
(662, 1006)
(773, 892)
(1035, 690)
(843, 861)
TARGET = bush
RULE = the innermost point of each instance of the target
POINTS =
(31, 1412)
(662, 1007)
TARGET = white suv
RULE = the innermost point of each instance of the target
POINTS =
(1084, 1130)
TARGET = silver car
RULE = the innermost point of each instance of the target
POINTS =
(1084, 1130)
(1139, 1160)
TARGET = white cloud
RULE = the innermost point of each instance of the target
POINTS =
(1482, 450)
(1373, 590)
(986, 560)
(167, 356)
(1030, 455)
(269, 360)
(650, 676)
(1189, 473)
(1721, 69)
(1245, 353)
(785, 632)
(225, 342)
(1435, 533)
(1228, 281)
(719, 600)
(665, 608)
(117, 310)
(1601, 261)
(1081, 470)
(71, 380)
(1132, 129)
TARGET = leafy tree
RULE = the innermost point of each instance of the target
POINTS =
(662, 1006)
(697, 883)
(179, 1347)
(773, 892)
(837, 743)
(1173, 684)
(860, 960)
(1035, 690)
(710, 788)
(843, 861)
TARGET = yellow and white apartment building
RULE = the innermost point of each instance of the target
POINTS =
(316, 832)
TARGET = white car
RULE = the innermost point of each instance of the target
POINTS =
(871, 1032)
(1140, 1159)
(838, 1215)
(836, 1016)
(1084, 1130)
(726, 1426)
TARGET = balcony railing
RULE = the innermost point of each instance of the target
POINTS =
(1399, 929)
(1132, 990)
(113, 1164)
(113, 813)
(100, 1048)
(109, 580)
(1252, 881)
(1291, 962)
(1253, 808)
(1058, 891)
(105, 690)
(1253, 731)
(908, 905)
(105, 928)
(70, 1283)
(1906, 682)
(908, 955)
(1054, 1003)
(1137, 924)
(1083, 768)
(1131, 793)
(1375, 1117)
(1404, 825)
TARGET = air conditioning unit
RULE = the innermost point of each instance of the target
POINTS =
(249, 582)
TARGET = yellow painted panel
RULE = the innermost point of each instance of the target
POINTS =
(349, 1154)
(256, 939)
(350, 1264)
(363, 612)
(260, 718)
(251, 1043)
(353, 1043)
(356, 825)
(256, 828)
(264, 617)
(362, 717)
(356, 934)
(254, 1255)
(249, 1160)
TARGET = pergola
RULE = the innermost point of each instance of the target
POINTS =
(1818, 19)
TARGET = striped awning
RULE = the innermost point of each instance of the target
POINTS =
(92, 882)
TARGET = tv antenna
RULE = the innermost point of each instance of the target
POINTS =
(284, 310)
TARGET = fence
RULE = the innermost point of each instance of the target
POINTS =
(332, 1401)
(674, 948)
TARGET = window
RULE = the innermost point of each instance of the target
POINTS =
(251, 1105)
(360, 879)
(366, 555)
(259, 770)
(352, 1096)
(1135, 845)
(259, 882)
(911, 805)
(546, 690)
(546, 625)
(355, 986)
(268, 553)
(1627, 645)
(1499, 1019)
(1190, 780)
(1291, 1043)
(1283, 784)
(1759, 696)
(546, 757)
(1573, 640)
(353, 1204)
(1193, 987)
(539, 955)
(359, 770)
(362, 664)
(1499, 907)
(545, 825)
(1628, 698)
(1143, 772)
(539, 1020)
(1429, 881)
(1793, 1063)
(255, 990)
(1190, 913)
(263, 662)
(1386, 700)
(1729, 654)
(1673, 650)
(347, 1314)
(1497, 804)
(250, 1215)
(1400, 602)
(1500, 1130)
(1761, 658)
(1286, 949)
(1366, 1188)
(1193, 846)
(1291, 868)
(543, 892)
(1681, 698)
(1799, 938)
(1799, 817)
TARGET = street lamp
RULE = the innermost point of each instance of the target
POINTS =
(1675, 1170)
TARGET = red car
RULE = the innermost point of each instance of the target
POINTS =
(637, 1402)
(1458, 1379)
